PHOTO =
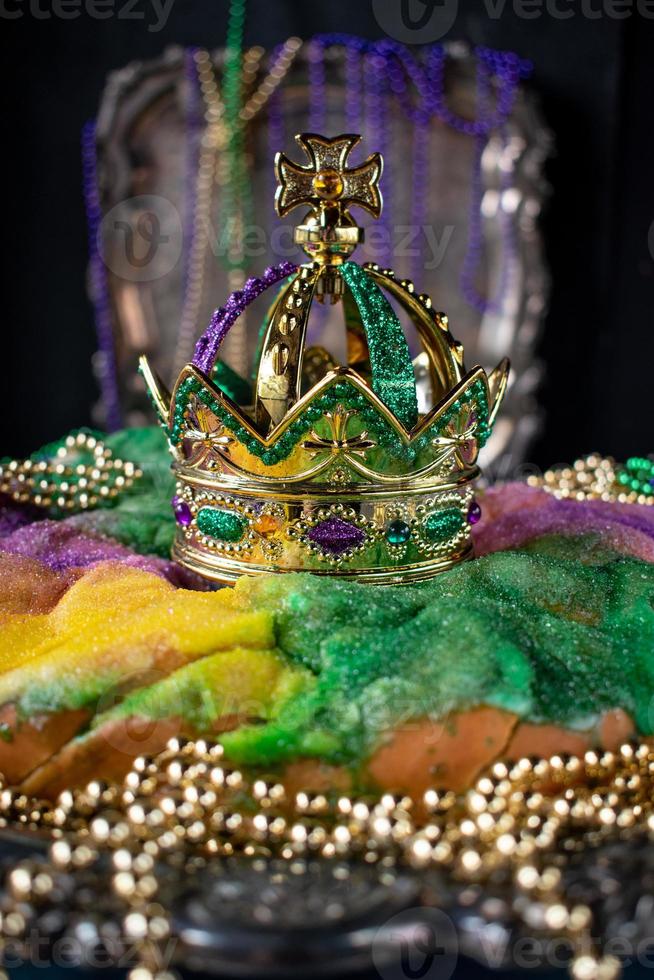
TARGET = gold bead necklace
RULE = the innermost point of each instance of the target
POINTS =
(520, 824)
(213, 169)
(593, 478)
(62, 483)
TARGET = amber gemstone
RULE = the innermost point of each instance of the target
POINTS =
(266, 524)
(328, 184)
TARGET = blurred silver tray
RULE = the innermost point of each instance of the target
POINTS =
(143, 151)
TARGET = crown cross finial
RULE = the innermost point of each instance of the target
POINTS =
(327, 182)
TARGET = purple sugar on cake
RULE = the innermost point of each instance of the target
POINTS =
(515, 514)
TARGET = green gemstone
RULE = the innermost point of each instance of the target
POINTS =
(224, 525)
(398, 532)
(442, 524)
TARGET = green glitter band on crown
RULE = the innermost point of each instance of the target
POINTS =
(393, 379)
(225, 378)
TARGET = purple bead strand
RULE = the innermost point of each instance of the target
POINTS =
(354, 47)
(276, 134)
(508, 70)
(420, 193)
(421, 116)
(317, 86)
(402, 68)
(475, 249)
(353, 83)
(403, 65)
(99, 282)
(194, 119)
(208, 346)
(378, 135)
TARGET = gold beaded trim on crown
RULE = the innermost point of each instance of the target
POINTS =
(517, 830)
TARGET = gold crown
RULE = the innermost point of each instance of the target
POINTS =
(363, 470)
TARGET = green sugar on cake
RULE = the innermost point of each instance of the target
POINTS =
(553, 639)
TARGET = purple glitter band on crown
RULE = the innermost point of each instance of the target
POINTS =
(207, 347)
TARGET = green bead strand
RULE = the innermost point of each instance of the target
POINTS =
(237, 199)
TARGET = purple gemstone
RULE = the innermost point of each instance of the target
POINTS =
(474, 513)
(182, 511)
(334, 536)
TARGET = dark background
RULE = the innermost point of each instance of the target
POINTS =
(595, 79)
